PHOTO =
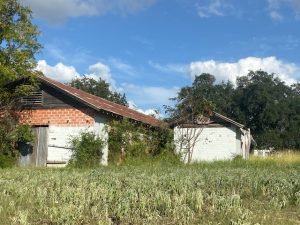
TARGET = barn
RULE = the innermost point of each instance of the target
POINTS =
(211, 138)
(56, 112)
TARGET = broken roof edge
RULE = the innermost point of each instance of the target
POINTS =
(103, 104)
(181, 121)
(229, 120)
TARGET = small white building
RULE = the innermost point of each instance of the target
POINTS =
(211, 138)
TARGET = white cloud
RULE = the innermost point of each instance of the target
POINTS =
(274, 8)
(65, 73)
(56, 11)
(100, 70)
(214, 8)
(58, 72)
(275, 15)
(288, 72)
(150, 112)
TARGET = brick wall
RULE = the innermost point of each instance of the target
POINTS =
(63, 117)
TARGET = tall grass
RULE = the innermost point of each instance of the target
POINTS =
(280, 158)
(257, 191)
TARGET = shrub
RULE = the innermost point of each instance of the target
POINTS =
(10, 136)
(86, 150)
(128, 140)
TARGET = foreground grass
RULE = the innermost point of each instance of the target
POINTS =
(256, 191)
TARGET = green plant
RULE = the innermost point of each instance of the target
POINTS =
(128, 140)
(226, 192)
(10, 137)
(86, 150)
(19, 44)
(237, 158)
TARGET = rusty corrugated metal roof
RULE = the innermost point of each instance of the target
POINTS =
(98, 103)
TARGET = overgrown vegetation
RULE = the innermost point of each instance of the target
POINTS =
(18, 44)
(256, 191)
(261, 101)
(86, 150)
(128, 140)
(9, 141)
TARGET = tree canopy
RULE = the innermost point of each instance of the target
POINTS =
(99, 88)
(261, 101)
(18, 46)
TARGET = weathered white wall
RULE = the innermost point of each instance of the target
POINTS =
(59, 138)
(100, 129)
(58, 142)
(213, 143)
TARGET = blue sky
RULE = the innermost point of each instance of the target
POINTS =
(148, 49)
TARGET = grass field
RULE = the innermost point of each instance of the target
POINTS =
(256, 191)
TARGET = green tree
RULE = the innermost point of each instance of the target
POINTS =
(261, 101)
(18, 45)
(201, 97)
(99, 88)
(270, 108)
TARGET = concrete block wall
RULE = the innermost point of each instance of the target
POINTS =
(213, 143)
(59, 141)
(216, 144)
(61, 117)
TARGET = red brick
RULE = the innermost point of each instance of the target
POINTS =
(57, 116)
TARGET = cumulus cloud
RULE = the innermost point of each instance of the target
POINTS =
(65, 73)
(288, 72)
(100, 70)
(213, 8)
(274, 8)
(58, 72)
(56, 11)
(150, 112)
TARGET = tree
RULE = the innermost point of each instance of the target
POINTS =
(99, 88)
(18, 45)
(270, 108)
(192, 109)
(261, 101)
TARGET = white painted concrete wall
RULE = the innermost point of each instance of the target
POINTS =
(101, 130)
(59, 138)
(213, 143)
(58, 142)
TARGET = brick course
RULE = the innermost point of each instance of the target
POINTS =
(65, 117)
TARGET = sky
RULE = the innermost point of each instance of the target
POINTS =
(149, 49)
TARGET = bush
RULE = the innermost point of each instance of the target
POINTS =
(128, 140)
(86, 150)
(10, 136)
(7, 161)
